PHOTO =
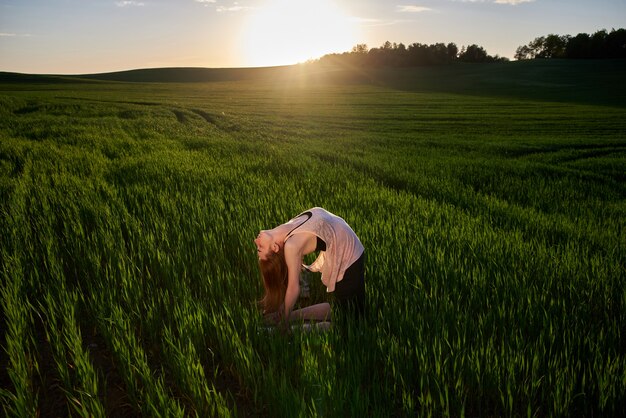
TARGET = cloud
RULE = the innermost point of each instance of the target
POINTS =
(206, 3)
(412, 9)
(513, 2)
(234, 8)
(510, 2)
(129, 3)
(14, 35)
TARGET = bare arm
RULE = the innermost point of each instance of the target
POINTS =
(293, 258)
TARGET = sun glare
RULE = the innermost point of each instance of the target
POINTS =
(283, 32)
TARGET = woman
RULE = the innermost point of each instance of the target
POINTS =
(340, 261)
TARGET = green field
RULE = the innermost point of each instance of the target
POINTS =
(491, 200)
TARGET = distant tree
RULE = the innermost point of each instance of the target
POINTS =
(375, 57)
(524, 52)
(551, 46)
(399, 55)
(439, 53)
(616, 44)
(579, 46)
(473, 53)
(554, 46)
(416, 53)
(536, 46)
(601, 44)
(360, 49)
(452, 51)
(598, 44)
(498, 58)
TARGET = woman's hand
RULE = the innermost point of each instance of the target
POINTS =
(272, 318)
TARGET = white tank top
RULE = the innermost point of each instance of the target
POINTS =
(342, 245)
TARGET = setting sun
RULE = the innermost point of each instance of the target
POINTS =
(291, 31)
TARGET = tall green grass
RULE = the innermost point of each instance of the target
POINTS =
(493, 227)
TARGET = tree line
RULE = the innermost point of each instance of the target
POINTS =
(601, 44)
(416, 54)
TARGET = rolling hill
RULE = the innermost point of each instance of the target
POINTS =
(578, 81)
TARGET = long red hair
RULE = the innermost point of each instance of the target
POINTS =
(275, 276)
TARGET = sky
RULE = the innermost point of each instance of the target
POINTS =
(94, 36)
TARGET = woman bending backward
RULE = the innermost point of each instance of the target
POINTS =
(340, 260)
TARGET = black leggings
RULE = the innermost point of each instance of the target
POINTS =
(350, 291)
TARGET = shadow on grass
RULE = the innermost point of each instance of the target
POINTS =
(592, 82)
